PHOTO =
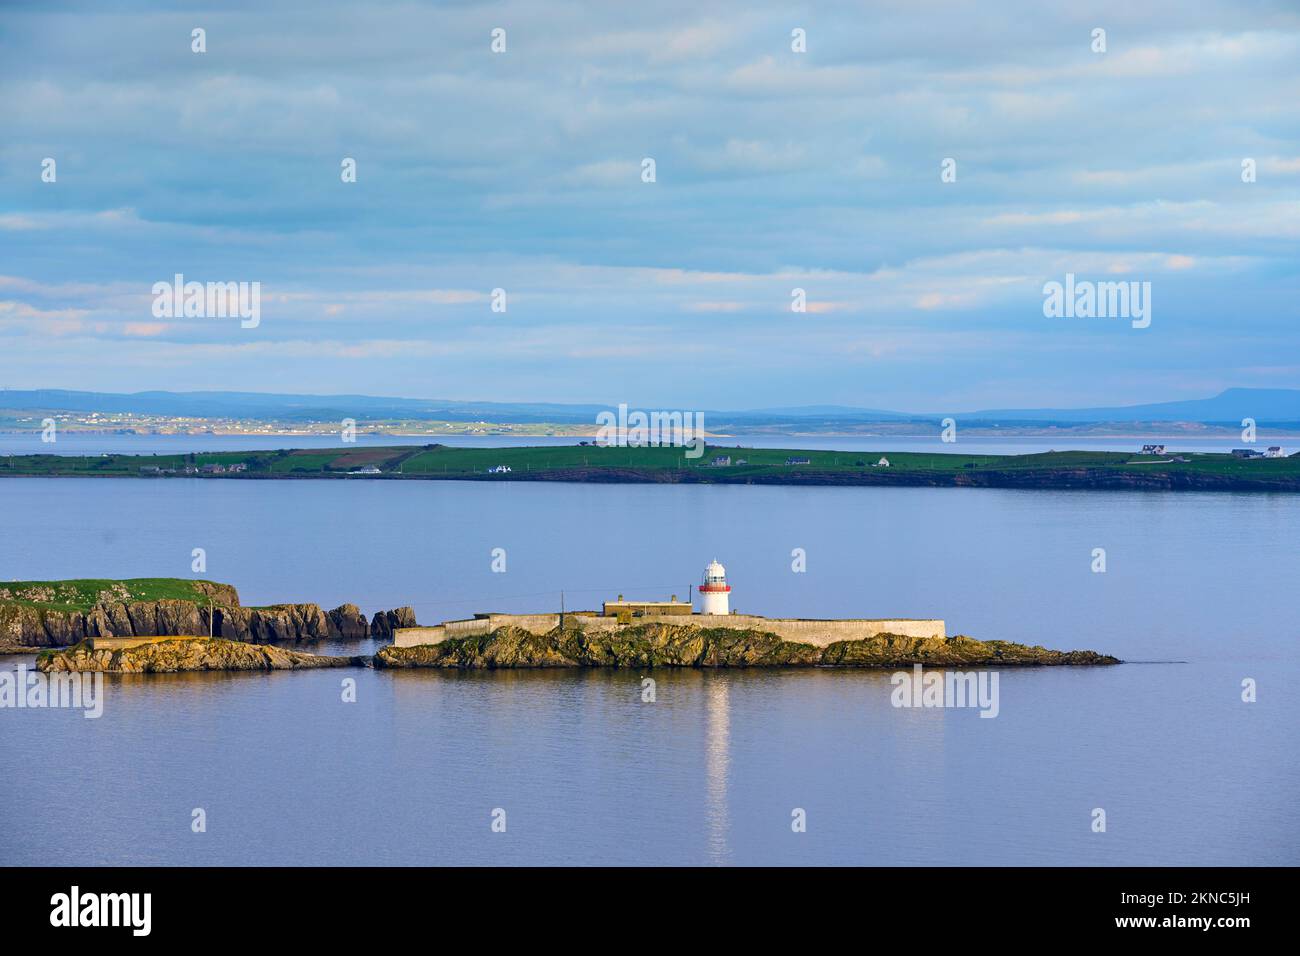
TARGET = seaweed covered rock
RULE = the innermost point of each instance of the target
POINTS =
(663, 645)
(185, 654)
(892, 650)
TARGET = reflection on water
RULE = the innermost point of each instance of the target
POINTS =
(717, 762)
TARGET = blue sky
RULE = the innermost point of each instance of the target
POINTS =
(775, 170)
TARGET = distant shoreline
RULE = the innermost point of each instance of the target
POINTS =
(718, 464)
(1061, 481)
(508, 430)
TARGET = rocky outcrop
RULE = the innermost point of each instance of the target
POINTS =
(186, 654)
(22, 625)
(890, 650)
(147, 619)
(346, 622)
(279, 623)
(660, 645)
(384, 623)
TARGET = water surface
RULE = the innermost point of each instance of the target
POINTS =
(709, 772)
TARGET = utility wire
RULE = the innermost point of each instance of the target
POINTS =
(511, 597)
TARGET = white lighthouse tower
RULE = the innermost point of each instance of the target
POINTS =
(714, 590)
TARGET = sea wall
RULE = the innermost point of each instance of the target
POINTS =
(799, 630)
(823, 633)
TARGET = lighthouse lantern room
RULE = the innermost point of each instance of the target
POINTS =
(714, 590)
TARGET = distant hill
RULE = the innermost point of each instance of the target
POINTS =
(1276, 406)
(828, 411)
(1265, 405)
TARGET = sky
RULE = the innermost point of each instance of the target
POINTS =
(774, 170)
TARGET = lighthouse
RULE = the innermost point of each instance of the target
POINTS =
(714, 590)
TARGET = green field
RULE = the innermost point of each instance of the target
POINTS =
(82, 594)
(761, 465)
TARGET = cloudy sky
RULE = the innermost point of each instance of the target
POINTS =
(775, 170)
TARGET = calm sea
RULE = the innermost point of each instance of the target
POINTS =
(1199, 589)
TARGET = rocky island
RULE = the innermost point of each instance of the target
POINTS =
(642, 647)
(175, 654)
(159, 625)
(666, 645)
(37, 614)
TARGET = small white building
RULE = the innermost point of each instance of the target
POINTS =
(714, 590)
(499, 470)
(883, 463)
(1274, 451)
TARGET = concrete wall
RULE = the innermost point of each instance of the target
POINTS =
(817, 633)
(822, 633)
(415, 636)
